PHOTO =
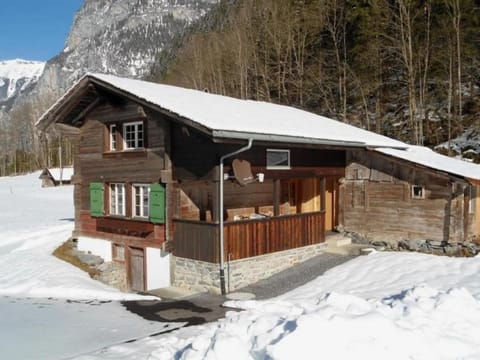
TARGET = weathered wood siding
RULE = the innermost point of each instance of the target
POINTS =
(246, 238)
(94, 163)
(376, 200)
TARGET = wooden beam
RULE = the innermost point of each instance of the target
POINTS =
(323, 190)
(276, 197)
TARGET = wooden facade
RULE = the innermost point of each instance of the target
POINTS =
(290, 202)
(378, 201)
(324, 186)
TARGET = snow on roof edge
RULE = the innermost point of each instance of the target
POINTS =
(427, 157)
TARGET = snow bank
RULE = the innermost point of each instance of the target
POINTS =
(381, 306)
(35, 221)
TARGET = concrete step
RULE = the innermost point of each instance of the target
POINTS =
(172, 293)
(338, 243)
(338, 240)
(348, 249)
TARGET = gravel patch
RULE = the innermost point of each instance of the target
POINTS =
(295, 276)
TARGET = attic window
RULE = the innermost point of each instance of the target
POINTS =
(418, 192)
(278, 159)
(133, 135)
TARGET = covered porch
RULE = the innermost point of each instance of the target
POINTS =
(261, 219)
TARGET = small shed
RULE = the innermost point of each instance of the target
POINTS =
(56, 176)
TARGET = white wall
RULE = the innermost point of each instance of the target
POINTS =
(158, 269)
(97, 247)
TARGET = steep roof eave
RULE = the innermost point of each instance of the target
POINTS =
(237, 135)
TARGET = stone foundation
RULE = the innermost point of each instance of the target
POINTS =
(204, 276)
(113, 274)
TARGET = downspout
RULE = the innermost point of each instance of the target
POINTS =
(221, 220)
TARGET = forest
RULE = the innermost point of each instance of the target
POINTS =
(408, 69)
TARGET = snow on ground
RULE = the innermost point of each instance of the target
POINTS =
(50, 309)
(34, 221)
(380, 306)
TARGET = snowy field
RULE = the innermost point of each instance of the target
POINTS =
(48, 308)
(380, 306)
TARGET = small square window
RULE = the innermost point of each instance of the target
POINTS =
(418, 192)
(118, 252)
(278, 159)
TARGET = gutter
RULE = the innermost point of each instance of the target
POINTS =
(221, 219)
(219, 135)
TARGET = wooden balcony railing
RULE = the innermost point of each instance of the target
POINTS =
(246, 238)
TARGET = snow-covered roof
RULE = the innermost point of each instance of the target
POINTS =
(61, 174)
(231, 118)
(227, 117)
(424, 156)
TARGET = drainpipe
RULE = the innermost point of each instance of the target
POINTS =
(222, 257)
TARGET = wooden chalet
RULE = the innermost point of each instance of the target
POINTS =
(169, 179)
(56, 176)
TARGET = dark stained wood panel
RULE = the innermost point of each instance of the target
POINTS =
(247, 238)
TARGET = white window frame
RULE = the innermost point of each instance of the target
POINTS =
(279, 167)
(117, 208)
(136, 138)
(113, 137)
(422, 189)
(140, 189)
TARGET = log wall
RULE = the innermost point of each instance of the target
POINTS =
(95, 163)
(376, 201)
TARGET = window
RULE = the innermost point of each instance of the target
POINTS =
(418, 192)
(140, 200)
(133, 135)
(113, 137)
(117, 199)
(278, 159)
(118, 252)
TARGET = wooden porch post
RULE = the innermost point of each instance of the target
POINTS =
(215, 195)
(276, 197)
(323, 190)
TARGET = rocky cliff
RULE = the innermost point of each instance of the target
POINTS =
(122, 37)
(16, 77)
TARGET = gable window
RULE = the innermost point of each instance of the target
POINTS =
(113, 137)
(278, 159)
(133, 135)
(140, 200)
(117, 199)
(418, 192)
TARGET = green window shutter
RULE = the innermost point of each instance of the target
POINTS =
(96, 199)
(157, 203)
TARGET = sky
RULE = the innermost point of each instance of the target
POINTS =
(35, 29)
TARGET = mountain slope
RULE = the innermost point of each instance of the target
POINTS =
(16, 76)
(121, 37)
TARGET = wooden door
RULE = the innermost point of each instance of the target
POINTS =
(310, 195)
(137, 270)
(331, 204)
